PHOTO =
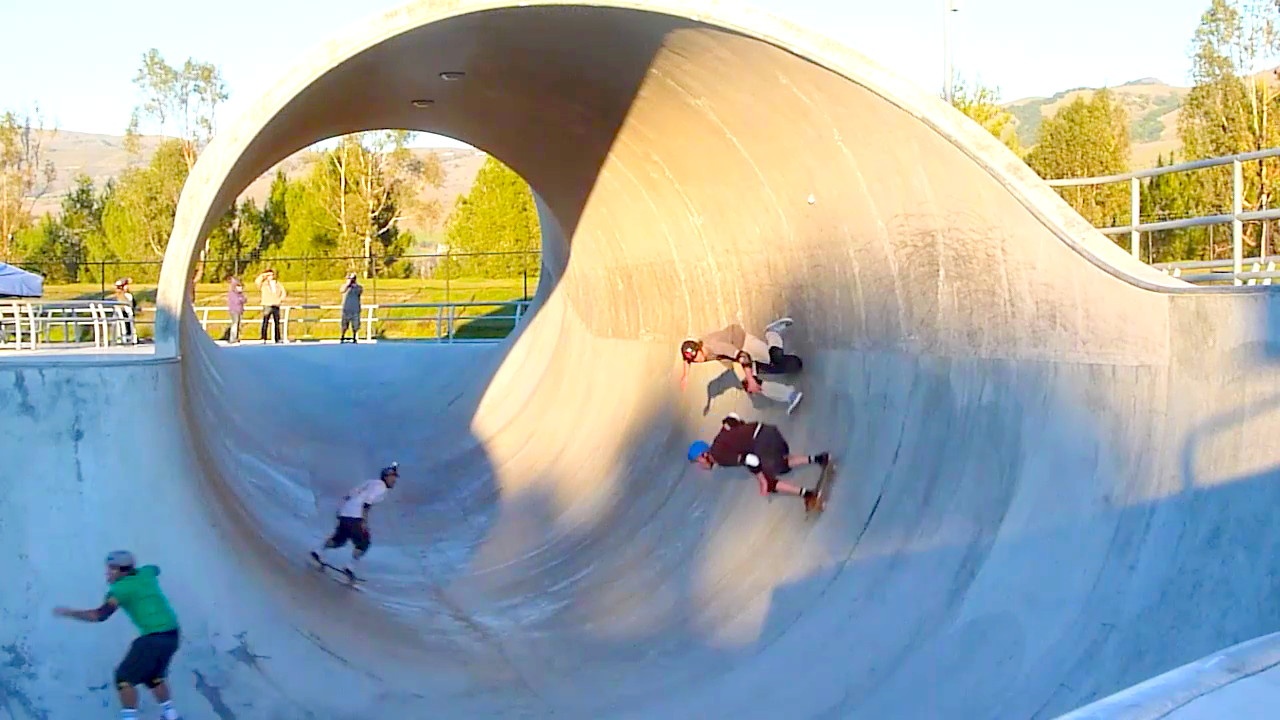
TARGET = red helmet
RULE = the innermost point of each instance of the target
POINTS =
(689, 350)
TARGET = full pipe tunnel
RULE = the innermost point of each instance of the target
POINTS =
(990, 370)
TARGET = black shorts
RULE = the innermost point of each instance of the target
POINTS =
(772, 449)
(350, 529)
(780, 363)
(147, 662)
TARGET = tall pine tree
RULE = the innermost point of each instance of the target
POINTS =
(497, 216)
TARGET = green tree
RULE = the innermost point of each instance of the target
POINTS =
(137, 216)
(1087, 138)
(181, 102)
(25, 174)
(1171, 197)
(1231, 110)
(982, 104)
(50, 249)
(367, 184)
(497, 216)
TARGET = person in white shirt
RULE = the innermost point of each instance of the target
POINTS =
(353, 518)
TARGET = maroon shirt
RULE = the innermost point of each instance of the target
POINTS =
(732, 444)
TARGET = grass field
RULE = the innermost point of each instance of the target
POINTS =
(316, 324)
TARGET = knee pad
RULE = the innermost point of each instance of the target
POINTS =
(155, 683)
(362, 544)
(771, 484)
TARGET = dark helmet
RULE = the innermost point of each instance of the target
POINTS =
(392, 469)
(689, 349)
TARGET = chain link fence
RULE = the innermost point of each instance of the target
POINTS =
(487, 289)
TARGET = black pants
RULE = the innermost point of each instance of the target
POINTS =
(779, 363)
(147, 662)
(772, 449)
(272, 312)
(350, 529)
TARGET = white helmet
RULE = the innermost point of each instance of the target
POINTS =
(120, 559)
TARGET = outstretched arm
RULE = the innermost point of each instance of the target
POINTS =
(97, 614)
(742, 368)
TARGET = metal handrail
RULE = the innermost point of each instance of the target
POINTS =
(1157, 171)
(369, 315)
(1237, 217)
(32, 322)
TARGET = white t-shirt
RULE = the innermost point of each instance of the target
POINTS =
(370, 492)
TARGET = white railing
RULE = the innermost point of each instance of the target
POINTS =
(1237, 217)
(30, 324)
(446, 317)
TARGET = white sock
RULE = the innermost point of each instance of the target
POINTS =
(128, 714)
(169, 712)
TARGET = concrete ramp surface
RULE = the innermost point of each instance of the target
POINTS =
(1057, 466)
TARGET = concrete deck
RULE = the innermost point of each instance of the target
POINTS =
(1057, 473)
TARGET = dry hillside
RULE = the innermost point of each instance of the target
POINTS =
(1153, 111)
(104, 156)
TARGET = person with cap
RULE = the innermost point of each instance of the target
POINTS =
(749, 357)
(762, 450)
(353, 519)
(351, 292)
(273, 296)
(123, 295)
(136, 590)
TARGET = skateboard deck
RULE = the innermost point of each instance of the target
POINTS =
(337, 575)
(823, 488)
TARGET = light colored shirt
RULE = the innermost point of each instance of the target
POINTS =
(370, 492)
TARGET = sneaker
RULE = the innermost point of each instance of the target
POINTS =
(351, 576)
(811, 500)
(779, 325)
(822, 458)
(796, 397)
(316, 556)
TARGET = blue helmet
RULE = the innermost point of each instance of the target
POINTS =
(697, 448)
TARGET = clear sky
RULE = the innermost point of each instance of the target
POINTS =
(76, 58)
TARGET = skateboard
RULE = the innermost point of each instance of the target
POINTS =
(339, 575)
(823, 487)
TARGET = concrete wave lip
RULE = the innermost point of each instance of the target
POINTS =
(1048, 489)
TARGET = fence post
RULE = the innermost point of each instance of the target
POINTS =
(1135, 215)
(1237, 227)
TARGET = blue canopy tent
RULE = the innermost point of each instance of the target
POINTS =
(16, 282)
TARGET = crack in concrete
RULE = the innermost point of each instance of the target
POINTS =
(213, 695)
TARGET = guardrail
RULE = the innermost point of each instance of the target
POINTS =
(445, 317)
(1237, 217)
(28, 324)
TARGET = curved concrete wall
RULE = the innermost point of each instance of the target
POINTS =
(648, 129)
(1045, 482)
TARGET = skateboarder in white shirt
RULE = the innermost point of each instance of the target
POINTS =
(353, 518)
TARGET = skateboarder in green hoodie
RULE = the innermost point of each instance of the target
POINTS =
(136, 590)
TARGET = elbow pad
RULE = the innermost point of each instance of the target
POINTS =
(752, 461)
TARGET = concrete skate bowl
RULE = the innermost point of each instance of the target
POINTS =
(1043, 497)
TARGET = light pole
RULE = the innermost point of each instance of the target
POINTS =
(950, 7)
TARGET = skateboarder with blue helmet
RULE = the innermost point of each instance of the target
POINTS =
(353, 518)
(137, 591)
(763, 451)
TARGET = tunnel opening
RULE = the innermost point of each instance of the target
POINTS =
(384, 235)
(552, 538)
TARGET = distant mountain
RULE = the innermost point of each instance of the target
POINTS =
(103, 156)
(1153, 111)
